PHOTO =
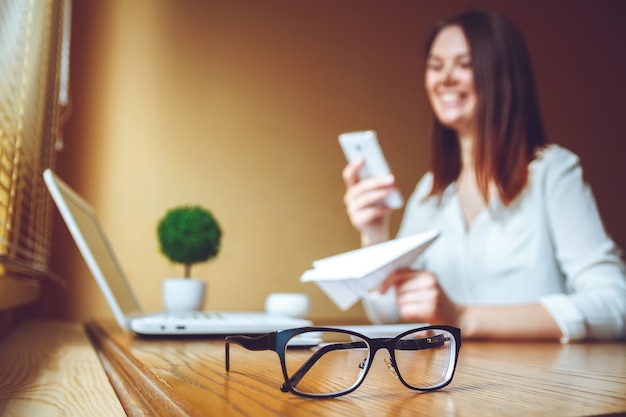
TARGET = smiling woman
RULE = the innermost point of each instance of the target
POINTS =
(507, 263)
(498, 130)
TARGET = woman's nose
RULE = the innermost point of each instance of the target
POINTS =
(449, 75)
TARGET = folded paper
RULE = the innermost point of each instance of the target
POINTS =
(346, 277)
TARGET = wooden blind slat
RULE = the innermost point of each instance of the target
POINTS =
(30, 33)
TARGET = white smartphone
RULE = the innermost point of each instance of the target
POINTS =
(365, 144)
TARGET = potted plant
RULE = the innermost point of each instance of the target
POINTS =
(187, 235)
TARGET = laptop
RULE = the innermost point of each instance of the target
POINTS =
(105, 267)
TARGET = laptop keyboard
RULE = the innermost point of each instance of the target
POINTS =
(215, 318)
(213, 323)
(192, 315)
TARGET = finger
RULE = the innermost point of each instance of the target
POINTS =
(422, 281)
(350, 173)
(418, 304)
(416, 312)
(397, 278)
(357, 197)
(368, 216)
(416, 294)
(370, 191)
(351, 178)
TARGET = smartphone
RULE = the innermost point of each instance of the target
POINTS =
(365, 144)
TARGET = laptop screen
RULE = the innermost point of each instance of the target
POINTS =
(93, 244)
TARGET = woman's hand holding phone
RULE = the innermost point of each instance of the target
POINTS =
(364, 200)
(371, 192)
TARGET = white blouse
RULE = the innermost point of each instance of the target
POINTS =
(549, 246)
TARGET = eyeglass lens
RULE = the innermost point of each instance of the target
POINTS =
(330, 362)
(425, 359)
(334, 365)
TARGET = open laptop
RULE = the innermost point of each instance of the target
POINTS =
(98, 253)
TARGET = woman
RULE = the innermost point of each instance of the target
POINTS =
(522, 252)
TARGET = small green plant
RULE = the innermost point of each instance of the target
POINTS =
(189, 235)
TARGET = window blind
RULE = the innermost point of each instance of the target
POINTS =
(31, 46)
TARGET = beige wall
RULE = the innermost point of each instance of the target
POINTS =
(236, 105)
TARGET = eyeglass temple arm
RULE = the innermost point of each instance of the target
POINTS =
(413, 344)
(306, 366)
(264, 342)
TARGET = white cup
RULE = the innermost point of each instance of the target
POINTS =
(381, 308)
(291, 304)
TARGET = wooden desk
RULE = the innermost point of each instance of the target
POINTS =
(187, 377)
(49, 368)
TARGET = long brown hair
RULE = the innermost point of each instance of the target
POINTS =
(509, 130)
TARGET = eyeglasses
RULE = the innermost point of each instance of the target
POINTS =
(324, 362)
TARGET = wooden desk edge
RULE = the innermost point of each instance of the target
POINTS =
(140, 391)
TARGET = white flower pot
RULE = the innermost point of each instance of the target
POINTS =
(183, 294)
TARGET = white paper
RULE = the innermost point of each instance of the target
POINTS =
(346, 277)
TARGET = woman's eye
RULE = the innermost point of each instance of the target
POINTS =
(434, 66)
(465, 63)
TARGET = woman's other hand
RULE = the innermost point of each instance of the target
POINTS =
(420, 298)
(364, 200)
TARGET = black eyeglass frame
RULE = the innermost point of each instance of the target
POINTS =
(277, 342)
